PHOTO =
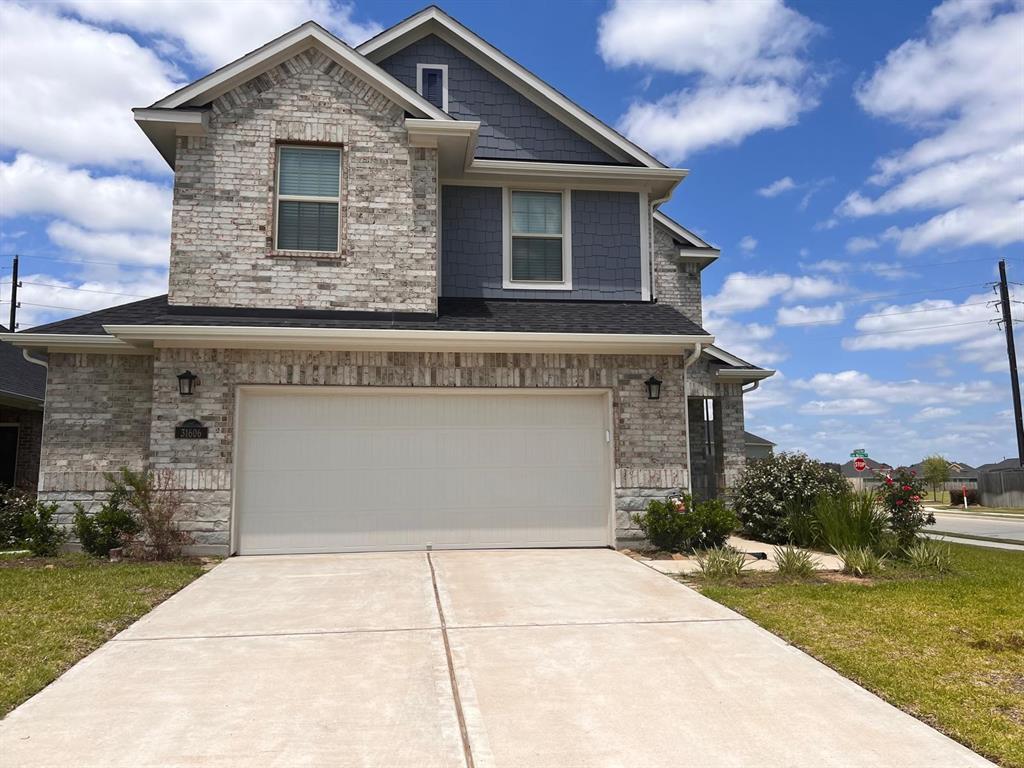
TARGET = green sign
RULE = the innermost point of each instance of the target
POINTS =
(859, 453)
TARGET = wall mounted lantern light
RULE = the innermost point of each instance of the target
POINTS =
(653, 385)
(187, 383)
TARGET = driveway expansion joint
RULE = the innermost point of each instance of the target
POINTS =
(295, 633)
(463, 731)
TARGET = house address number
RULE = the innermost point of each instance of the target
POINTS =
(191, 430)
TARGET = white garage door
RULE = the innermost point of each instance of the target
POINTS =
(344, 469)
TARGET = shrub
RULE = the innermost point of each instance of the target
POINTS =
(956, 497)
(861, 561)
(795, 563)
(900, 494)
(114, 525)
(155, 503)
(849, 519)
(676, 524)
(721, 563)
(42, 536)
(771, 488)
(13, 506)
(929, 555)
(803, 528)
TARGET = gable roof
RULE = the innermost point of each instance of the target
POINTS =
(183, 112)
(732, 369)
(432, 20)
(749, 438)
(20, 380)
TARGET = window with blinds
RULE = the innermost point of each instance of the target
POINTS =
(535, 222)
(308, 198)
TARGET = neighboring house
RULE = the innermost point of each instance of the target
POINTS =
(22, 386)
(757, 447)
(869, 478)
(999, 466)
(960, 474)
(429, 302)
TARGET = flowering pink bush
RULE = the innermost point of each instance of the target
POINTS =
(900, 496)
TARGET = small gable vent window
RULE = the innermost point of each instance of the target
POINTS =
(432, 84)
(308, 198)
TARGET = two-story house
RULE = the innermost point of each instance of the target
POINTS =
(417, 298)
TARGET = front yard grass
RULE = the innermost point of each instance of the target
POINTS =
(54, 611)
(948, 649)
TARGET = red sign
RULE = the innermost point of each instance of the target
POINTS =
(860, 465)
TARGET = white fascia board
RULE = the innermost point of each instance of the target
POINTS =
(656, 181)
(401, 340)
(67, 342)
(506, 69)
(163, 127)
(726, 357)
(743, 376)
(289, 44)
(683, 233)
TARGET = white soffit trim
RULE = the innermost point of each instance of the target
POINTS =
(726, 357)
(433, 20)
(163, 126)
(241, 70)
(399, 340)
(67, 342)
(656, 181)
(743, 376)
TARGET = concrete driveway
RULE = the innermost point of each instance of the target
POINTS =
(519, 659)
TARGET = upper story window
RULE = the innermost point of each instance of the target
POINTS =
(308, 198)
(432, 84)
(538, 252)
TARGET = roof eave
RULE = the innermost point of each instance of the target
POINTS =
(400, 339)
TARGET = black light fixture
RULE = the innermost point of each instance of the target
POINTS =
(653, 385)
(187, 383)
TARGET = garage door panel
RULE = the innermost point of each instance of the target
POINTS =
(335, 470)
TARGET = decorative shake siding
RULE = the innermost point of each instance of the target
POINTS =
(222, 243)
(649, 434)
(605, 246)
(511, 126)
(676, 281)
(97, 419)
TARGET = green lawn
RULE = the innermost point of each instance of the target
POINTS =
(948, 649)
(55, 611)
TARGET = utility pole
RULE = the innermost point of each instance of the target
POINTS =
(15, 285)
(1004, 301)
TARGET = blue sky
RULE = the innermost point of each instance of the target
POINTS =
(861, 166)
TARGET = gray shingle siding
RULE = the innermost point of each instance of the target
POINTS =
(511, 126)
(605, 246)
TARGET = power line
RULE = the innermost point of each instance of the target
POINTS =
(906, 330)
(883, 314)
(84, 290)
(100, 263)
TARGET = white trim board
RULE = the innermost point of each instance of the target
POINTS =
(433, 20)
(444, 81)
(565, 284)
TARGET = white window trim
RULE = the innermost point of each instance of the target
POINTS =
(565, 284)
(278, 197)
(444, 82)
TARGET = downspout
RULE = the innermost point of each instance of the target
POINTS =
(687, 362)
(36, 360)
(753, 385)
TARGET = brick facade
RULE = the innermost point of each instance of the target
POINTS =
(136, 407)
(222, 241)
(30, 438)
(676, 281)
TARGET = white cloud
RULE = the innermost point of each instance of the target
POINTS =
(32, 186)
(801, 315)
(212, 32)
(748, 243)
(746, 69)
(776, 188)
(888, 270)
(68, 88)
(121, 247)
(861, 244)
(742, 292)
(929, 322)
(937, 412)
(848, 406)
(750, 341)
(827, 265)
(970, 168)
(45, 297)
(857, 384)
